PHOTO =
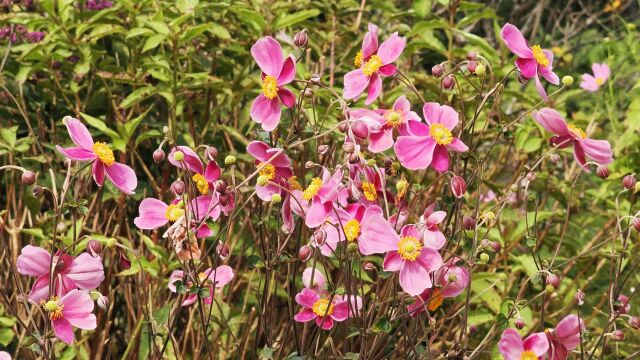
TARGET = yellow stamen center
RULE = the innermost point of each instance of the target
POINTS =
(577, 131)
(173, 212)
(394, 118)
(372, 65)
(409, 248)
(358, 60)
(53, 308)
(323, 307)
(440, 134)
(104, 153)
(539, 55)
(270, 87)
(201, 183)
(268, 170)
(369, 191)
(436, 300)
(528, 355)
(351, 229)
(599, 81)
(312, 189)
(293, 182)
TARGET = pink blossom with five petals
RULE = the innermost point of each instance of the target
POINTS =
(592, 83)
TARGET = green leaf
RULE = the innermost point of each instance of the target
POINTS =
(100, 125)
(383, 325)
(152, 42)
(267, 353)
(422, 7)
(287, 20)
(187, 6)
(137, 96)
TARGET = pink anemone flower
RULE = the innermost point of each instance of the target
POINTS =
(405, 253)
(350, 219)
(323, 310)
(430, 221)
(564, 338)
(429, 143)
(204, 177)
(276, 72)
(73, 309)
(84, 272)
(321, 192)
(372, 62)
(569, 135)
(4, 355)
(601, 73)
(532, 61)
(154, 213)
(512, 347)
(277, 171)
(450, 281)
(211, 279)
(104, 162)
(313, 279)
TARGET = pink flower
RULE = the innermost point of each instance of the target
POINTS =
(276, 72)
(313, 279)
(532, 61)
(450, 281)
(122, 176)
(350, 219)
(203, 177)
(372, 62)
(73, 309)
(405, 252)
(321, 309)
(84, 272)
(277, 171)
(567, 135)
(321, 192)
(209, 279)
(154, 213)
(513, 348)
(430, 223)
(601, 73)
(4, 355)
(564, 338)
(428, 143)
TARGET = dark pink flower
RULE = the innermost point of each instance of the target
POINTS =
(278, 171)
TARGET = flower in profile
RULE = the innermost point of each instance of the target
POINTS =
(450, 281)
(570, 135)
(533, 61)
(429, 143)
(592, 83)
(321, 192)
(372, 62)
(84, 272)
(430, 225)
(276, 72)
(512, 347)
(564, 338)
(73, 309)
(211, 279)
(104, 162)
(277, 171)
(313, 279)
(322, 308)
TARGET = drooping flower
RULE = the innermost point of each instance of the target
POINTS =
(564, 338)
(372, 62)
(278, 171)
(321, 192)
(322, 309)
(430, 226)
(211, 279)
(276, 72)
(73, 309)
(450, 280)
(601, 73)
(512, 347)
(122, 176)
(428, 143)
(83, 272)
(569, 135)
(532, 61)
(405, 253)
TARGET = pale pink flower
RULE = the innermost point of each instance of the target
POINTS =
(345, 226)
(429, 143)
(211, 279)
(104, 162)
(569, 135)
(373, 62)
(430, 226)
(277, 171)
(84, 272)
(512, 347)
(532, 61)
(564, 338)
(73, 309)
(154, 213)
(276, 72)
(601, 73)
(322, 309)
(313, 279)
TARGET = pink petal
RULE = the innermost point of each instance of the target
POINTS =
(288, 72)
(40, 289)
(410, 230)
(258, 150)
(86, 271)
(266, 112)
(77, 309)
(414, 152)
(312, 278)
(455, 288)
(98, 172)
(391, 48)
(599, 150)
(222, 276)
(429, 259)
(414, 278)
(317, 213)
(381, 141)
(375, 87)
(266, 192)
(568, 332)
(175, 276)
(77, 153)
(189, 299)
(458, 146)
(589, 83)
(537, 343)
(304, 315)
(435, 113)
(539, 87)
(388, 70)
(268, 54)
(402, 104)
(355, 82)
(434, 239)
(377, 236)
(440, 160)
(79, 133)
(152, 214)
(417, 128)
(325, 323)
(601, 71)
(63, 330)
(578, 154)
(436, 218)
(190, 162)
(212, 171)
(33, 261)
(510, 345)
(527, 67)
(207, 205)
(370, 42)
(123, 177)
(287, 97)
(393, 262)
(552, 121)
(340, 311)
(307, 298)
(514, 40)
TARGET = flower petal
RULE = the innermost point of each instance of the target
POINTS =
(287, 97)
(288, 72)
(312, 278)
(355, 82)
(370, 42)
(268, 54)
(151, 214)
(77, 309)
(86, 271)
(377, 235)
(304, 315)
(393, 262)
(63, 330)
(307, 298)
(375, 87)
(537, 343)
(514, 40)
(79, 133)
(414, 278)
(266, 112)
(510, 344)
(414, 152)
(391, 48)
(175, 276)
(381, 141)
(77, 153)
(123, 177)
(33, 261)
(435, 113)
(440, 161)
(552, 121)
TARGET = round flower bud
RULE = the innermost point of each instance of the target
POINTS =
(221, 186)
(319, 237)
(360, 129)
(211, 153)
(352, 248)
(471, 66)
(59, 265)
(28, 177)
(458, 186)
(309, 164)
(178, 187)
(629, 181)
(473, 328)
(555, 158)
(343, 127)
(484, 243)
(37, 191)
(448, 82)
(549, 289)
(353, 158)
(165, 130)
(553, 280)
(519, 323)
(471, 55)
(484, 258)
(322, 149)
(437, 70)
(61, 227)
(481, 70)
(315, 79)
(300, 39)
(617, 335)
(305, 253)
(602, 171)
(222, 250)
(276, 198)
(158, 156)
(262, 180)
(567, 80)
(111, 242)
(348, 147)
(634, 322)
(369, 266)
(468, 223)
(401, 185)
(578, 298)
(229, 160)
(103, 302)
(94, 248)
(636, 223)
(496, 246)
(178, 156)
(125, 263)
(531, 176)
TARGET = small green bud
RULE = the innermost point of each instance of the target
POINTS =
(481, 70)
(230, 160)
(276, 198)
(352, 248)
(567, 80)
(181, 204)
(111, 242)
(631, 27)
(371, 162)
(178, 156)
(395, 166)
(262, 180)
(484, 258)
(549, 289)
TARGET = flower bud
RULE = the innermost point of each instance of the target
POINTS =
(519, 323)
(178, 187)
(437, 70)
(262, 180)
(211, 153)
(94, 248)
(481, 70)
(28, 177)
(636, 223)
(304, 253)
(37, 191)
(484, 243)
(103, 302)
(496, 246)
(468, 223)
(471, 66)
(276, 198)
(471, 55)
(458, 186)
(360, 129)
(223, 251)
(448, 82)
(223, 199)
(309, 164)
(555, 158)
(553, 280)
(322, 149)
(578, 298)
(629, 181)
(602, 171)
(567, 80)
(158, 156)
(473, 328)
(353, 158)
(352, 248)
(125, 263)
(178, 156)
(369, 266)
(319, 237)
(484, 258)
(315, 79)
(343, 127)
(300, 39)
(531, 176)
(165, 130)
(634, 322)
(229, 160)
(221, 186)
(549, 289)
(348, 147)
(617, 335)
(61, 227)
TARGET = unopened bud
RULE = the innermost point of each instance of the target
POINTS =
(178, 156)
(343, 127)
(229, 160)
(553, 280)
(223, 251)
(348, 147)
(437, 70)
(223, 199)
(473, 328)
(37, 191)
(158, 156)
(61, 227)
(262, 180)
(448, 82)
(602, 171)
(300, 39)
(221, 186)
(28, 177)
(458, 186)
(634, 322)
(549, 289)
(352, 248)
(468, 223)
(481, 70)
(211, 153)
(369, 266)
(471, 55)
(125, 263)
(636, 223)
(617, 335)
(360, 129)
(309, 164)
(371, 162)
(315, 79)
(304, 253)
(519, 323)
(567, 80)
(276, 198)
(319, 237)
(496, 246)
(629, 181)
(165, 130)
(353, 158)
(178, 187)
(555, 158)
(484, 258)
(322, 149)
(531, 176)
(578, 298)
(103, 302)
(59, 265)
(94, 248)
(471, 66)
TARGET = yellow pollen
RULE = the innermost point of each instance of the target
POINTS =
(372, 65)
(268, 170)
(436, 300)
(369, 191)
(201, 183)
(293, 182)
(358, 60)
(312, 189)
(599, 81)
(270, 87)
(440, 134)
(528, 355)
(323, 307)
(394, 118)
(539, 55)
(577, 131)
(173, 212)
(409, 248)
(53, 307)
(351, 229)
(104, 153)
